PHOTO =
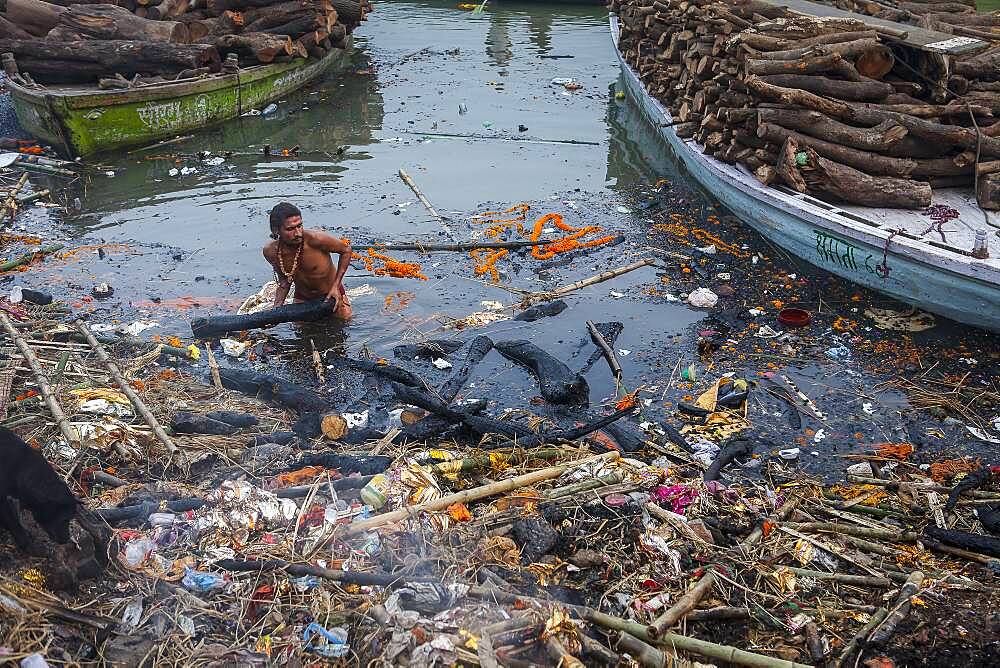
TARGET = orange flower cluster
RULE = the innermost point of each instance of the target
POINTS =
(895, 450)
(27, 395)
(944, 471)
(487, 264)
(391, 267)
(628, 401)
(567, 243)
(497, 226)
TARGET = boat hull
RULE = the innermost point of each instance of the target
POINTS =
(963, 290)
(89, 122)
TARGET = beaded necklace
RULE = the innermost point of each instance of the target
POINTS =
(289, 275)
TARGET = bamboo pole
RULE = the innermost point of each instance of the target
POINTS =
(643, 652)
(70, 433)
(10, 202)
(473, 494)
(850, 648)
(213, 367)
(687, 644)
(689, 600)
(852, 530)
(459, 247)
(843, 578)
(28, 257)
(893, 485)
(408, 180)
(609, 353)
(127, 390)
(594, 280)
(901, 608)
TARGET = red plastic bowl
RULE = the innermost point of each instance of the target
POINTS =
(794, 317)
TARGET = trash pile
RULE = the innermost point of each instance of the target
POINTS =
(246, 518)
(833, 107)
(125, 44)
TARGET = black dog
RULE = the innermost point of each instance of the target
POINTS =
(25, 477)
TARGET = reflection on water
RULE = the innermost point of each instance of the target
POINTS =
(414, 64)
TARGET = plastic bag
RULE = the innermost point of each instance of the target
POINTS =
(332, 643)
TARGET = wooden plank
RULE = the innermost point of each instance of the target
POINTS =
(918, 38)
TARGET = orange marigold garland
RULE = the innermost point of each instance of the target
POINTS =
(567, 243)
(487, 265)
(391, 267)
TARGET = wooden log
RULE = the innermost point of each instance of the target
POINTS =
(10, 30)
(985, 66)
(767, 43)
(869, 162)
(806, 171)
(857, 91)
(950, 135)
(257, 47)
(899, 611)
(847, 50)
(922, 9)
(220, 325)
(168, 9)
(297, 26)
(473, 494)
(54, 62)
(107, 22)
(815, 124)
(34, 16)
(349, 12)
(988, 191)
(832, 62)
(557, 383)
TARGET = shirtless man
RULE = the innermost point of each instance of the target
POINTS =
(302, 257)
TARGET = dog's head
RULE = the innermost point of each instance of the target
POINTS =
(55, 518)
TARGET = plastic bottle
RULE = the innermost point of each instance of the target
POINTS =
(162, 519)
(374, 493)
(138, 551)
(15, 297)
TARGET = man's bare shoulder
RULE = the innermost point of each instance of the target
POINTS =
(271, 250)
(324, 241)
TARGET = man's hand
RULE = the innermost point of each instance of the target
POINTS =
(334, 295)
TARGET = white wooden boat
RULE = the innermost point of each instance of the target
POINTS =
(901, 253)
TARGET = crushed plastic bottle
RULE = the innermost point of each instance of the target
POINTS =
(269, 109)
(332, 643)
(162, 519)
(138, 551)
(15, 296)
(200, 581)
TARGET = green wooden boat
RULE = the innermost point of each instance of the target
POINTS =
(83, 120)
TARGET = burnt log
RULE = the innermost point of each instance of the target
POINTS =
(220, 325)
(273, 389)
(557, 383)
(107, 22)
(478, 349)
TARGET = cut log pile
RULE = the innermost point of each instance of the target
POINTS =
(831, 107)
(955, 17)
(69, 41)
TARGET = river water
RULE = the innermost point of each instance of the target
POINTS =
(467, 105)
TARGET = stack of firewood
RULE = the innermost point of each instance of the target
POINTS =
(74, 41)
(955, 17)
(833, 107)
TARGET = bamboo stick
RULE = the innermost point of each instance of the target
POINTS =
(684, 643)
(127, 390)
(558, 652)
(901, 609)
(408, 180)
(28, 257)
(852, 530)
(458, 247)
(607, 351)
(10, 202)
(71, 435)
(843, 578)
(893, 485)
(213, 367)
(594, 280)
(472, 494)
(643, 652)
(845, 656)
(689, 600)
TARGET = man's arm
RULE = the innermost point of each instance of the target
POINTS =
(331, 244)
(284, 285)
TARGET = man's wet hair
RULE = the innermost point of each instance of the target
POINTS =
(282, 212)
